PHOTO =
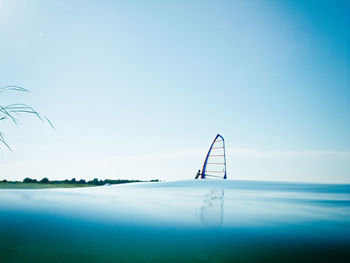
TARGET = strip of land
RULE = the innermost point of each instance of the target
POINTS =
(29, 183)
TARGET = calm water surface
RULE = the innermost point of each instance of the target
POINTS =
(187, 221)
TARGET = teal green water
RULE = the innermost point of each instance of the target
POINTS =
(192, 221)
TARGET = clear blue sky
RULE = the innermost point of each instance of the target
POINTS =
(138, 89)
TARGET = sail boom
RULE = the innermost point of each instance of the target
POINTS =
(213, 176)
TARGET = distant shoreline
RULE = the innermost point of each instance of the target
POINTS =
(29, 183)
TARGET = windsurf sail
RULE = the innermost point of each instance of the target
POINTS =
(215, 161)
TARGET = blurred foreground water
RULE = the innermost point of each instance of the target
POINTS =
(187, 221)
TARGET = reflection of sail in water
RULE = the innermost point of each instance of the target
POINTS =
(211, 212)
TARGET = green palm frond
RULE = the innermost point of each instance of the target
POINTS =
(16, 111)
(13, 88)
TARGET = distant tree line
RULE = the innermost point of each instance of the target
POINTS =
(95, 181)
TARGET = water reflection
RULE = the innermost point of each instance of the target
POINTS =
(212, 210)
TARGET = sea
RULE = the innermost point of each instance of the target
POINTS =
(184, 221)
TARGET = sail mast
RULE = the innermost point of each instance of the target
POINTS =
(223, 141)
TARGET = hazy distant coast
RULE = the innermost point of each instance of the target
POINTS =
(29, 183)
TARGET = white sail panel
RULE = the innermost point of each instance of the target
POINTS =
(215, 162)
